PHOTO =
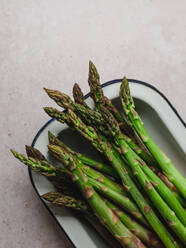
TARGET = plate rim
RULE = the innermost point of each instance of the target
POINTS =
(85, 97)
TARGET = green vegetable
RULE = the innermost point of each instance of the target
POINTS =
(164, 162)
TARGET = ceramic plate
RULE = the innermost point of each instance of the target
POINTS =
(161, 120)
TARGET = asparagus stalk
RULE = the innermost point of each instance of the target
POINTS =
(165, 163)
(171, 186)
(105, 215)
(134, 161)
(109, 170)
(92, 117)
(145, 235)
(62, 182)
(110, 220)
(66, 102)
(171, 199)
(86, 160)
(60, 152)
(63, 155)
(96, 119)
(93, 163)
(57, 175)
(141, 232)
(81, 206)
(70, 202)
(90, 134)
(97, 95)
(102, 185)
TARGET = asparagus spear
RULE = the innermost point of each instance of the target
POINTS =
(110, 220)
(108, 170)
(163, 190)
(97, 95)
(81, 206)
(62, 182)
(171, 186)
(92, 117)
(103, 147)
(100, 182)
(66, 102)
(69, 201)
(64, 152)
(95, 164)
(171, 199)
(57, 175)
(102, 185)
(169, 216)
(86, 160)
(105, 215)
(145, 235)
(165, 163)
(96, 119)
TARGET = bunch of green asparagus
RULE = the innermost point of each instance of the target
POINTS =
(138, 196)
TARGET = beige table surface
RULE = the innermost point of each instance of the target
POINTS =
(45, 43)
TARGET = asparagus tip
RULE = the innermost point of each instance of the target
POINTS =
(76, 85)
(77, 94)
(34, 153)
(14, 152)
(45, 89)
(28, 150)
(50, 111)
(50, 136)
(55, 149)
(51, 196)
(47, 109)
(93, 73)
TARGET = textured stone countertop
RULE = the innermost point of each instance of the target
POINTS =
(48, 44)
